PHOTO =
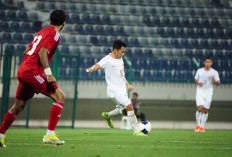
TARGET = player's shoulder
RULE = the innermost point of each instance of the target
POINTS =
(50, 30)
(214, 70)
(200, 69)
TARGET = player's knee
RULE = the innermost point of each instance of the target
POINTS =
(17, 108)
(124, 112)
(60, 98)
(200, 108)
(205, 110)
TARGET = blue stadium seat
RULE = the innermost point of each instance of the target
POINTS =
(9, 48)
(25, 27)
(75, 18)
(3, 15)
(176, 21)
(64, 49)
(180, 32)
(134, 42)
(88, 29)
(95, 19)
(106, 19)
(17, 38)
(204, 43)
(185, 22)
(14, 27)
(22, 16)
(40, 6)
(4, 27)
(71, 39)
(103, 41)
(28, 38)
(6, 38)
(11, 15)
(86, 19)
(20, 48)
(94, 41)
(119, 31)
(175, 43)
(109, 30)
(51, 6)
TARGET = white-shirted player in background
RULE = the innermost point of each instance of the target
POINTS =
(117, 85)
(204, 78)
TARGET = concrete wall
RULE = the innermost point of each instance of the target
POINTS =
(148, 91)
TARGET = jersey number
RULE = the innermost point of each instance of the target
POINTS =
(35, 43)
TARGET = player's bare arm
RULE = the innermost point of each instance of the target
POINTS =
(198, 83)
(26, 51)
(130, 87)
(215, 82)
(44, 62)
(93, 68)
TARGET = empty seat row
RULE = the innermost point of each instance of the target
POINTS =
(19, 38)
(20, 26)
(136, 10)
(11, 15)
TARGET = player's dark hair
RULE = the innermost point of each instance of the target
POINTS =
(208, 58)
(118, 44)
(57, 17)
(136, 94)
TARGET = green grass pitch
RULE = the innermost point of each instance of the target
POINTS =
(118, 143)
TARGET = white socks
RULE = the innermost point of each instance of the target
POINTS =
(133, 120)
(201, 118)
(1, 136)
(204, 119)
(114, 112)
(49, 132)
(198, 118)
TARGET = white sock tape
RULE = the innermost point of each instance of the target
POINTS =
(48, 71)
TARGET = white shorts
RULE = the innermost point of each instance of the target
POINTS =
(203, 99)
(120, 98)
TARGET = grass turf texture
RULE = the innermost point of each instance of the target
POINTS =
(118, 143)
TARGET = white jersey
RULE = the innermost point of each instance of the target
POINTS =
(204, 76)
(114, 73)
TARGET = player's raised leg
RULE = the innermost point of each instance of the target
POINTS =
(9, 118)
(199, 113)
(108, 116)
(55, 114)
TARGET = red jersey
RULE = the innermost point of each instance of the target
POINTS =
(48, 38)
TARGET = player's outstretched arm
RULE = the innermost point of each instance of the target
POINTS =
(93, 68)
(44, 62)
(130, 87)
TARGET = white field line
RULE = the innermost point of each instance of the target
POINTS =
(153, 147)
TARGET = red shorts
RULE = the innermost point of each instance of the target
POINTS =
(30, 84)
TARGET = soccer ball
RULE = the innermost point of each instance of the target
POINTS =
(145, 127)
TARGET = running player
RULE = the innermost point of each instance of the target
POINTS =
(117, 85)
(204, 78)
(35, 76)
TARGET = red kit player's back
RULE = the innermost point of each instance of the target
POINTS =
(47, 38)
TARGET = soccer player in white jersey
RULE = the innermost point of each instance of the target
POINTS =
(117, 85)
(204, 78)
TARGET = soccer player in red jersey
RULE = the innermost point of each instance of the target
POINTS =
(35, 76)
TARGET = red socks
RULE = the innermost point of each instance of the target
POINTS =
(55, 114)
(7, 121)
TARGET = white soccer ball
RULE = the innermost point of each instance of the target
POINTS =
(145, 127)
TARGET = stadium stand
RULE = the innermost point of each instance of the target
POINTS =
(164, 34)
